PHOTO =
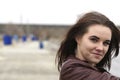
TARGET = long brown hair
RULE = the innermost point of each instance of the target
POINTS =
(69, 44)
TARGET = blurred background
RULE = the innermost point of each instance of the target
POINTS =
(31, 32)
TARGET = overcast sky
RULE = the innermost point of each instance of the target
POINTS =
(55, 11)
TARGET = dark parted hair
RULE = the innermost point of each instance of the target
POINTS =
(69, 44)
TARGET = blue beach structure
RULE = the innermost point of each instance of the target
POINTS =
(7, 39)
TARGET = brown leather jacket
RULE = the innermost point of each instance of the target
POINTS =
(75, 69)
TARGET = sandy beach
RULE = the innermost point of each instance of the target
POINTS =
(26, 61)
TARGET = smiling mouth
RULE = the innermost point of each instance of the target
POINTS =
(98, 54)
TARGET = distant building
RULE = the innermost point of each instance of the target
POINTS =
(42, 30)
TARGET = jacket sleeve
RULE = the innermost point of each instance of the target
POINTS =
(81, 73)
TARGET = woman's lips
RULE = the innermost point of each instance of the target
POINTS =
(99, 54)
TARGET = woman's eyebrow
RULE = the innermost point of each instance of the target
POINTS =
(99, 38)
(108, 41)
(93, 36)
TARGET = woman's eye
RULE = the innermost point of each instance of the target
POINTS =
(106, 43)
(93, 40)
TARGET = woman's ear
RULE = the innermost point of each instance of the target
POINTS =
(77, 39)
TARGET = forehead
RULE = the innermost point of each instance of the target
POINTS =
(100, 31)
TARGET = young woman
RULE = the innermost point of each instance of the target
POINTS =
(87, 50)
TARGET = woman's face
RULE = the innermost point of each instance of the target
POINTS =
(94, 44)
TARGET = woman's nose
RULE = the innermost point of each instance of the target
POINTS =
(100, 47)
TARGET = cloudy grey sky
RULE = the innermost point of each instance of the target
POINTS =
(55, 11)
